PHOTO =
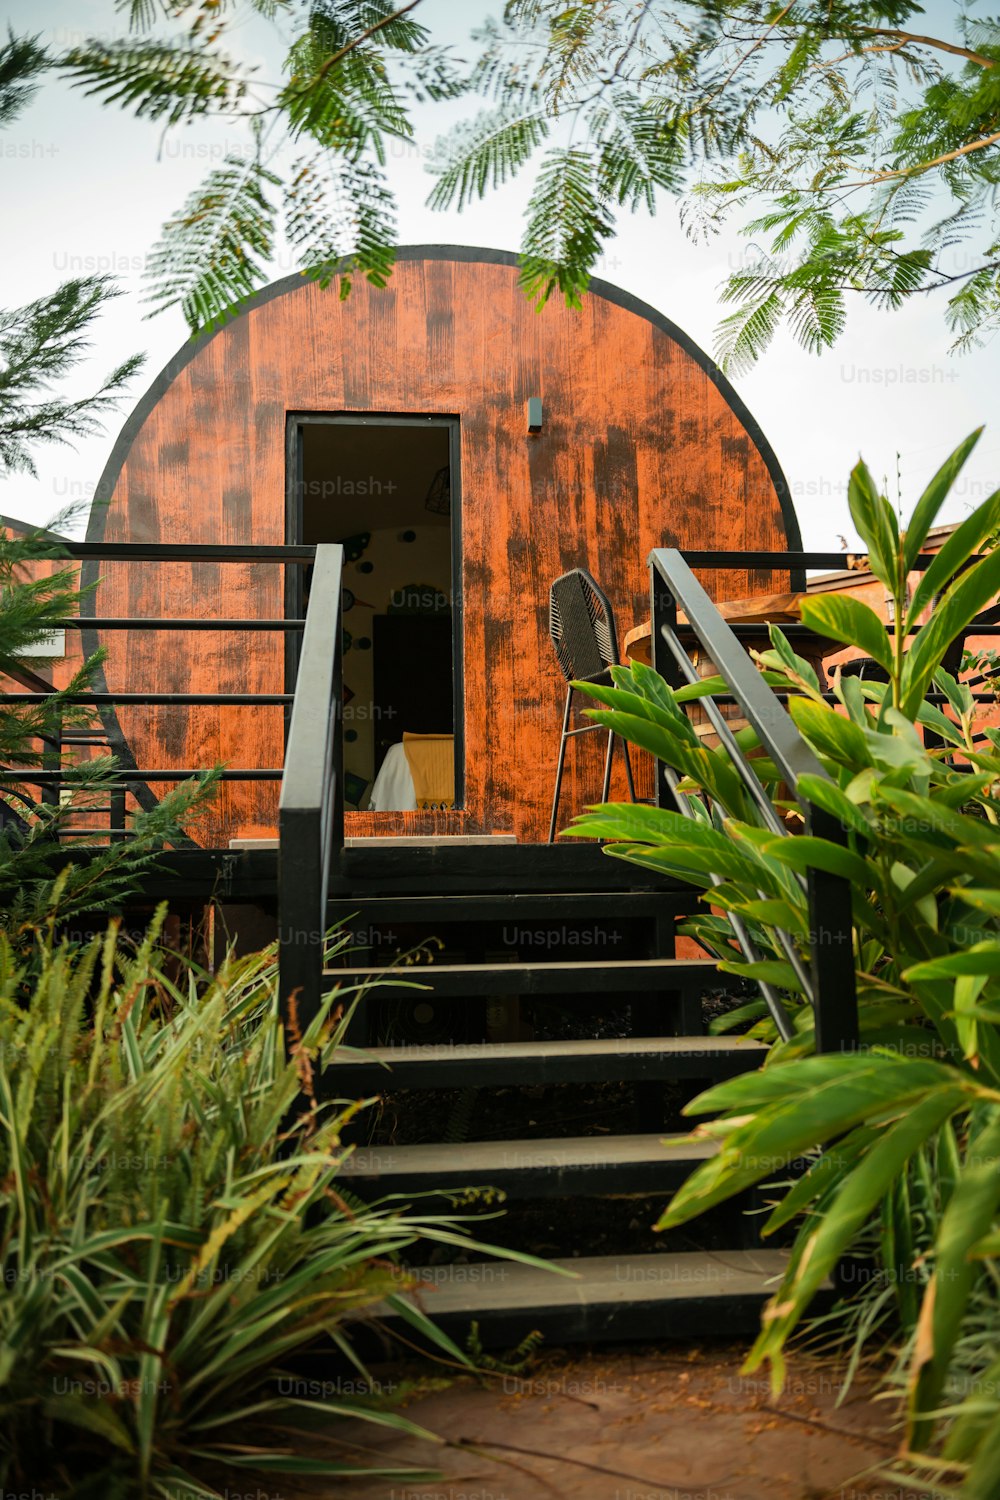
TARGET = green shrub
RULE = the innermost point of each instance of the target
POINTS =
(922, 855)
(171, 1232)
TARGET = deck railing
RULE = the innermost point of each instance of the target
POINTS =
(128, 777)
(311, 803)
(311, 809)
(828, 980)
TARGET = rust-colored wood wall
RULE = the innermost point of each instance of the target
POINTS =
(640, 447)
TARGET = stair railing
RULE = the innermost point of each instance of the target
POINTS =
(311, 806)
(828, 980)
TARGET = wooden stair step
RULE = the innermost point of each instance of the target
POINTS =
(486, 1064)
(691, 1294)
(469, 981)
(531, 1169)
(558, 908)
(381, 868)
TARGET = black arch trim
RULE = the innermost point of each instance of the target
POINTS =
(297, 281)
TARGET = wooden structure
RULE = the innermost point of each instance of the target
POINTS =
(642, 443)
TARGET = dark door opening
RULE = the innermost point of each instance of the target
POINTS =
(387, 489)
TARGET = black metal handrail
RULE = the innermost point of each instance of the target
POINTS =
(829, 980)
(49, 781)
(311, 803)
(311, 806)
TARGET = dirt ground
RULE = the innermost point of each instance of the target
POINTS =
(634, 1425)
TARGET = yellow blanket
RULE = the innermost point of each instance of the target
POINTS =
(431, 758)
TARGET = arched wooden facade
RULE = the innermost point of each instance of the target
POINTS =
(643, 443)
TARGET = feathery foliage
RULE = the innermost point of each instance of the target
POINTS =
(214, 254)
(864, 149)
(22, 61)
(39, 344)
(851, 129)
(172, 1238)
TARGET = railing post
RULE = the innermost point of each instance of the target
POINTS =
(662, 615)
(311, 807)
(831, 945)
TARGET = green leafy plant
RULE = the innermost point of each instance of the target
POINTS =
(922, 854)
(172, 1239)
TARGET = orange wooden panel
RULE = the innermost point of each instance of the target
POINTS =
(641, 447)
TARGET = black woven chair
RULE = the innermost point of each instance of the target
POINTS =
(582, 627)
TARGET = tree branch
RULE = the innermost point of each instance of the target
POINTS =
(335, 57)
(923, 166)
(909, 37)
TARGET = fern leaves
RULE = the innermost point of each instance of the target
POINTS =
(485, 154)
(156, 80)
(567, 224)
(340, 217)
(215, 253)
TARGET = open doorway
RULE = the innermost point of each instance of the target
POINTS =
(386, 487)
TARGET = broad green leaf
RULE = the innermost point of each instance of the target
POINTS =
(803, 852)
(824, 1175)
(933, 497)
(876, 525)
(842, 618)
(964, 542)
(830, 734)
(860, 1192)
(968, 988)
(772, 913)
(954, 612)
(781, 1112)
(767, 971)
(981, 958)
(785, 653)
(827, 795)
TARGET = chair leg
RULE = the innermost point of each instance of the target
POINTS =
(607, 766)
(628, 771)
(559, 766)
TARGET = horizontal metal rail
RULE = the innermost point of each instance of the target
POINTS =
(156, 700)
(49, 781)
(829, 981)
(124, 622)
(125, 773)
(781, 562)
(223, 552)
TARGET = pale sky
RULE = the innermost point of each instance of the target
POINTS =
(86, 188)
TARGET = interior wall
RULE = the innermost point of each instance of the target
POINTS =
(366, 484)
(377, 580)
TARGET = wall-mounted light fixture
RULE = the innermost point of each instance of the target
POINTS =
(534, 413)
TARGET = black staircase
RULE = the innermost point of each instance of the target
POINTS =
(461, 901)
(466, 901)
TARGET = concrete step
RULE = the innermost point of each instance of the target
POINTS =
(589, 979)
(595, 1165)
(486, 1064)
(686, 1295)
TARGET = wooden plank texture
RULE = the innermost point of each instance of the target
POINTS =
(639, 448)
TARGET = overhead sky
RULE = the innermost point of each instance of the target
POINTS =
(86, 189)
